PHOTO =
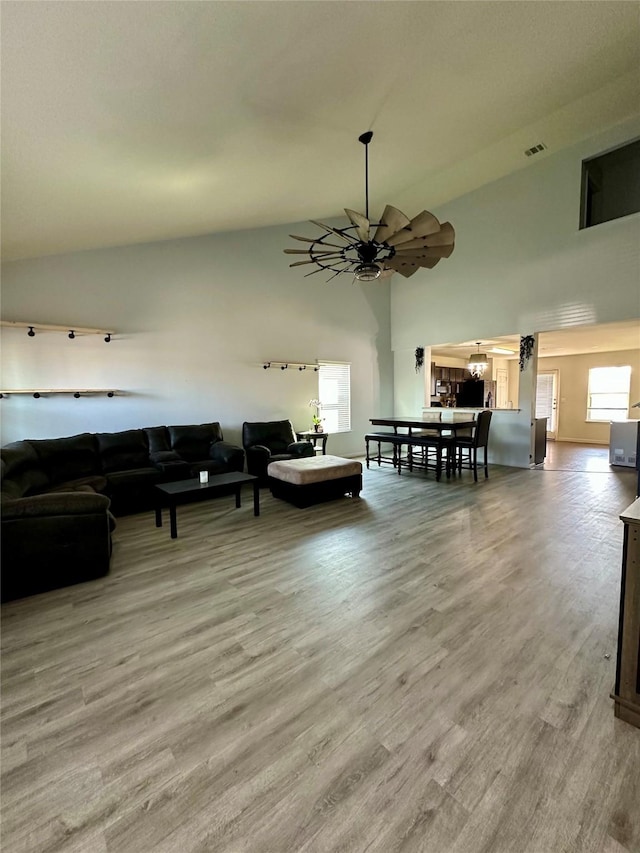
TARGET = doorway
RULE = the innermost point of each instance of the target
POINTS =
(547, 401)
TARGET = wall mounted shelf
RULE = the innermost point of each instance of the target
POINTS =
(72, 331)
(75, 392)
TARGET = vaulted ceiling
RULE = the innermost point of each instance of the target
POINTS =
(125, 122)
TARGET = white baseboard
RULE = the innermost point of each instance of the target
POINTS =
(583, 441)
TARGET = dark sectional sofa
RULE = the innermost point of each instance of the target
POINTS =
(58, 496)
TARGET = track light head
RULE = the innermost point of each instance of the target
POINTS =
(72, 334)
(31, 333)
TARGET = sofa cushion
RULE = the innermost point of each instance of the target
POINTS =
(194, 442)
(158, 439)
(134, 477)
(66, 459)
(22, 472)
(123, 451)
(97, 483)
(318, 469)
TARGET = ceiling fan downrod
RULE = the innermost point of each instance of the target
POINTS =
(366, 138)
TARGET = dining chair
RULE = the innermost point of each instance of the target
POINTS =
(467, 446)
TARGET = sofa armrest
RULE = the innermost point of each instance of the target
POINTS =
(259, 450)
(55, 503)
(227, 454)
(301, 448)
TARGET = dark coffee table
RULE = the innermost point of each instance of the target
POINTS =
(190, 491)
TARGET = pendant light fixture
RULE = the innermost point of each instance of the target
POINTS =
(478, 363)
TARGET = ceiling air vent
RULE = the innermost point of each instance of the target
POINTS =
(535, 149)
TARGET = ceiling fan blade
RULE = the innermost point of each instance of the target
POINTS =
(320, 241)
(335, 231)
(445, 237)
(425, 252)
(361, 222)
(420, 226)
(309, 252)
(393, 220)
(404, 268)
(323, 258)
(429, 263)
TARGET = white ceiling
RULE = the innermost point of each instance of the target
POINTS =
(125, 122)
(605, 337)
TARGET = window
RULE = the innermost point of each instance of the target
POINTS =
(608, 397)
(334, 393)
(546, 397)
(610, 185)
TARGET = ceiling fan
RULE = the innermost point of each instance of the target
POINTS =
(398, 244)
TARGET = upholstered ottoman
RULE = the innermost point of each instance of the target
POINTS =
(304, 482)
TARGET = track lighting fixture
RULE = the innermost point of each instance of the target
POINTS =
(72, 334)
(31, 333)
(107, 340)
(285, 365)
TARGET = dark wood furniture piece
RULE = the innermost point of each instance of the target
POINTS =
(467, 446)
(304, 482)
(381, 438)
(190, 491)
(626, 693)
(314, 437)
(430, 437)
(539, 440)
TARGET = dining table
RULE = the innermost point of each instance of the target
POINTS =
(436, 426)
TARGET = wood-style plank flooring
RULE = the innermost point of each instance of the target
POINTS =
(427, 668)
(570, 456)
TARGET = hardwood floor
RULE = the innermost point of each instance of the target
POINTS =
(424, 669)
(570, 456)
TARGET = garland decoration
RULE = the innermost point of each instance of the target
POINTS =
(527, 343)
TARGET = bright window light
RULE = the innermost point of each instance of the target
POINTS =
(334, 393)
(608, 395)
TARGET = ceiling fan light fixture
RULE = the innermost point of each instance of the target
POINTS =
(367, 272)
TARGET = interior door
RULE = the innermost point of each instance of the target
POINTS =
(547, 400)
(502, 387)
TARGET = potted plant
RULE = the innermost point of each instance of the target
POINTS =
(316, 420)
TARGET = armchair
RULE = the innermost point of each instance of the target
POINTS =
(271, 441)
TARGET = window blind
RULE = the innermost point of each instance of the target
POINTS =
(334, 393)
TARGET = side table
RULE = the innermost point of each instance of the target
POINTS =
(315, 437)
